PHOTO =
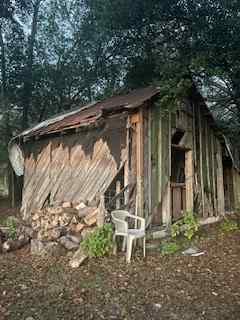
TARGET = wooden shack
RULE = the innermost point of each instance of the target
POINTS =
(133, 152)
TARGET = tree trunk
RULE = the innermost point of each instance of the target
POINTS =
(28, 82)
(3, 67)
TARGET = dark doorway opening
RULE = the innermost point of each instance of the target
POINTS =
(178, 186)
(228, 184)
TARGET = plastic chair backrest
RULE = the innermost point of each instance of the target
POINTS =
(118, 217)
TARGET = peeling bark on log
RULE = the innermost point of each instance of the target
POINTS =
(11, 245)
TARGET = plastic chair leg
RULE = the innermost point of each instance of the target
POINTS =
(129, 249)
(114, 245)
(124, 243)
(144, 247)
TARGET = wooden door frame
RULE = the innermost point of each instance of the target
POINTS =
(189, 177)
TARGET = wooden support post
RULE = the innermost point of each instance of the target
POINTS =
(126, 165)
(166, 199)
(166, 206)
(159, 171)
(139, 128)
(189, 172)
(149, 162)
(220, 187)
(118, 189)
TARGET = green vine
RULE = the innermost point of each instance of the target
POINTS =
(99, 243)
(188, 225)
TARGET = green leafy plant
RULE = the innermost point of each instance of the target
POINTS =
(229, 225)
(169, 248)
(11, 224)
(99, 243)
(188, 225)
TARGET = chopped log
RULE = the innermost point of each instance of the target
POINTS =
(74, 220)
(67, 205)
(49, 235)
(91, 218)
(78, 258)
(86, 211)
(79, 227)
(70, 211)
(12, 245)
(80, 206)
(55, 210)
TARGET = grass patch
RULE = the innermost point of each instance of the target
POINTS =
(3, 221)
(92, 283)
(11, 224)
(167, 248)
(99, 243)
(229, 225)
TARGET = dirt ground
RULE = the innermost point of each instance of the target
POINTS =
(173, 287)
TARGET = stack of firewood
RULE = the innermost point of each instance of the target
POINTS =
(66, 225)
(55, 227)
(51, 223)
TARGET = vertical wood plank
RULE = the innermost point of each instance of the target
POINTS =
(139, 160)
(149, 162)
(189, 172)
(141, 164)
(126, 165)
(214, 173)
(220, 187)
(118, 189)
(201, 160)
(166, 199)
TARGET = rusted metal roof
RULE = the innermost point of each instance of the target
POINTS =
(91, 113)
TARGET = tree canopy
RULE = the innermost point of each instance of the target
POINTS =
(58, 54)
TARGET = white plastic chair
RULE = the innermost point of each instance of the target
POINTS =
(129, 235)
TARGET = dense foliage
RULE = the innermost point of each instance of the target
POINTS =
(58, 54)
(99, 242)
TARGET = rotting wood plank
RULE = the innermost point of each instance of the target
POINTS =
(118, 189)
(149, 163)
(220, 187)
(166, 168)
(201, 161)
(139, 129)
(189, 173)
(214, 173)
(126, 165)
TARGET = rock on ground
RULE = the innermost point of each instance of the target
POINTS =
(68, 244)
(43, 249)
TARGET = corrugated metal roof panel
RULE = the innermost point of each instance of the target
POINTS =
(90, 113)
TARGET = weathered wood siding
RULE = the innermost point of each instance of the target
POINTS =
(73, 167)
(160, 164)
(203, 162)
(236, 188)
